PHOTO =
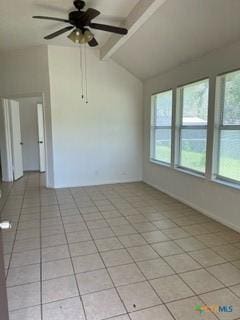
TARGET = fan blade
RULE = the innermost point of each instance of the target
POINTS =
(108, 28)
(89, 15)
(93, 43)
(57, 33)
(50, 18)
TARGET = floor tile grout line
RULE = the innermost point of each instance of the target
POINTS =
(17, 224)
(102, 261)
(3, 205)
(25, 308)
(72, 264)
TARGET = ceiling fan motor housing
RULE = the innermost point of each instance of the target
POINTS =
(75, 18)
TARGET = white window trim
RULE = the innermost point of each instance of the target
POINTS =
(179, 127)
(220, 126)
(154, 127)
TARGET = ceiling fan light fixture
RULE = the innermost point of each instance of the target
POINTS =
(88, 36)
(76, 36)
(83, 40)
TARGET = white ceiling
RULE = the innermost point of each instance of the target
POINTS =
(18, 29)
(180, 30)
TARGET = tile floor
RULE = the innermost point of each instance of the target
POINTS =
(120, 252)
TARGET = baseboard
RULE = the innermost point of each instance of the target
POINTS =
(103, 183)
(193, 206)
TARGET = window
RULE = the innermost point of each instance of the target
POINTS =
(193, 122)
(161, 127)
(229, 127)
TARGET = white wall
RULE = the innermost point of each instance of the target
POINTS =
(99, 142)
(29, 131)
(218, 201)
(24, 72)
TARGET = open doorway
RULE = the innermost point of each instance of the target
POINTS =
(32, 133)
(23, 140)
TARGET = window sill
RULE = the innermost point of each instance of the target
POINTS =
(226, 183)
(191, 172)
(217, 181)
(160, 163)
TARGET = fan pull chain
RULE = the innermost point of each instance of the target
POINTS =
(81, 70)
(86, 80)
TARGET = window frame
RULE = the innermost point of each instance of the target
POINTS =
(221, 127)
(215, 114)
(154, 128)
(180, 127)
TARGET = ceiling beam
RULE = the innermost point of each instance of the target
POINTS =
(137, 17)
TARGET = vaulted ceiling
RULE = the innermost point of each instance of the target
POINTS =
(179, 31)
(163, 33)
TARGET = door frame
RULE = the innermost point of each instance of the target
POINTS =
(6, 143)
(42, 158)
(16, 139)
(9, 161)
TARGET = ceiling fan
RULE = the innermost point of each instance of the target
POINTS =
(79, 21)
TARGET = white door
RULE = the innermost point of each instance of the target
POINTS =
(16, 140)
(41, 141)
